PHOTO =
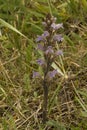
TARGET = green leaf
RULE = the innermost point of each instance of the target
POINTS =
(11, 27)
(56, 125)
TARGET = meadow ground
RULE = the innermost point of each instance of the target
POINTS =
(21, 96)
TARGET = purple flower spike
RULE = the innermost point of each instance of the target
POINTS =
(49, 50)
(59, 52)
(52, 74)
(36, 74)
(57, 26)
(58, 38)
(40, 47)
(40, 61)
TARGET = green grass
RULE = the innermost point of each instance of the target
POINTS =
(21, 97)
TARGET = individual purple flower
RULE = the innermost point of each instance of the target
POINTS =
(45, 34)
(36, 74)
(56, 26)
(58, 38)
(40, 61)
(59, 52)
(39, 38)
(42, 37)
(49, 50)
(52, 74)
(40, 47)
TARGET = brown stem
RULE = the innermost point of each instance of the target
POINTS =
(45, 91)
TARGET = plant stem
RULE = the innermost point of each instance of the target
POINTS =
(45, 98)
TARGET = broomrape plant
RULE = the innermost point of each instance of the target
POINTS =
(47, 44)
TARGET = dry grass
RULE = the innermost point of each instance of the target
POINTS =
(21, 97)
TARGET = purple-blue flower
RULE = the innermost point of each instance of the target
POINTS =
(52, 74)
(42, 37)
(45, 34)
(59, 52)
(36, 74)
(56, 26)
(40, 61)
(49, 50)
(58, 38)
